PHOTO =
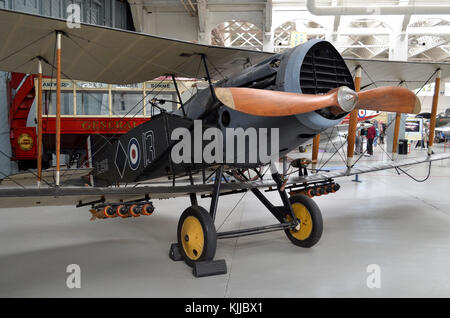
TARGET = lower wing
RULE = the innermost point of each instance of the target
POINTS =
(53, 196)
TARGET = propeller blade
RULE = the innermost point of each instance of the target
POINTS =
(260, 102)
(389, 99)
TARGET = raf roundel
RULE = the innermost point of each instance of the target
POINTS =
(361, 113)
(134, 153)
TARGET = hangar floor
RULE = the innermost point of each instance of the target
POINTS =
(389, 220)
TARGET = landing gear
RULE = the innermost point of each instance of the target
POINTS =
(299, 217)
(311, 225)
(197, 239)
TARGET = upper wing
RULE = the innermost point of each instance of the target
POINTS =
(391, 73)
(101, 54)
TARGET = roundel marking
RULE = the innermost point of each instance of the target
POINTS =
(134, 153)
(362, 113)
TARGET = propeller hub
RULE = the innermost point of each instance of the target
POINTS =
(347, 98)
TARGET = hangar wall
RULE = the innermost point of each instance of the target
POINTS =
(171, 19)
(112, 13)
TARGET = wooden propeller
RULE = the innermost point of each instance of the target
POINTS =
(260, 102)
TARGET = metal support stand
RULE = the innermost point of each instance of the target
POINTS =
(356, 178)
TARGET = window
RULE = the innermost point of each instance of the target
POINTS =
(447, 89)
(127, 103)
(166, 103)
(50, 103)
(92, 103)
(104, 100)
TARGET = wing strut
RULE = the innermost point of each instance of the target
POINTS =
(398, 117)
(39, 126)
(205, 64)
(396, 133)
(437, 84)
(58, 106)
(353, 122)
(315, 152)
(178, 95)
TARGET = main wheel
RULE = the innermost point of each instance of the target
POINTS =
(196, 235)
(311, 224)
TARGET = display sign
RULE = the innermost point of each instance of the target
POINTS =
(160, 85)
(413, 128)
(91, 85)
(127, 86)
(51, 84)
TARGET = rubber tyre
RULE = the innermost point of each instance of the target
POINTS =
(315, 220)
(209, 234)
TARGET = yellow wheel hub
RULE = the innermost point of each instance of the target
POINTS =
(306, 223)
(192, 237)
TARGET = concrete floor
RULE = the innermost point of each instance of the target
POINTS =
(389, 220)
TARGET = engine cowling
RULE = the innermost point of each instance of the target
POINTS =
(315, 67)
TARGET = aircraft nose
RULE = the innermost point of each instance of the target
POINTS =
(347, 98)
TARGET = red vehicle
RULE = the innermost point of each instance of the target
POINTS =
(87, 108)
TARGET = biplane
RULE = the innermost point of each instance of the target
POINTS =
(300, 93)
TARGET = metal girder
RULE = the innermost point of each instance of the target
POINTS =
(202, 12)
(366, 36)
(430, 43)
